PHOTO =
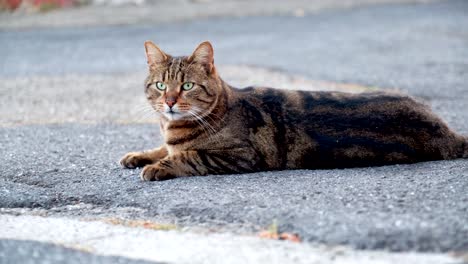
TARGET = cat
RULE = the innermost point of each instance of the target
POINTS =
(210, 127)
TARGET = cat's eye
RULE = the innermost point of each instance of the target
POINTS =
(187, 86)
(161, 86)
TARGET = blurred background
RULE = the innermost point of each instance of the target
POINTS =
(197, 7)
(415, 46)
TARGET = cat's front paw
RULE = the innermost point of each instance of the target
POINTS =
(156, 173)
(134, 159)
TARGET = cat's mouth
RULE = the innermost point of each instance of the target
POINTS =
(172, 115)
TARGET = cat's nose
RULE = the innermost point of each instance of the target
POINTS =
(171, 101)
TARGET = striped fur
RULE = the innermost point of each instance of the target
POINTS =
(218, 129)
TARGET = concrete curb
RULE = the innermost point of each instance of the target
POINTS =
(183, 247)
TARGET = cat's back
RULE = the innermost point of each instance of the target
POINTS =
(299, 102)
(352, 129)
(338, 113)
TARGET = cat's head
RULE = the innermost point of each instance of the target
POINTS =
(182, 88)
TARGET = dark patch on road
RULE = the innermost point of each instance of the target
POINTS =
(25, 252)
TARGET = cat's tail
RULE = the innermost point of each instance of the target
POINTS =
(465, 149)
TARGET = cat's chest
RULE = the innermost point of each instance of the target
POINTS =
(225, 138)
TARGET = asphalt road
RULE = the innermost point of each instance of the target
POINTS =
(421, 49)
(418, 207)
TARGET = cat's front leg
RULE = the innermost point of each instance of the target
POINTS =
(200, 163)
(139, 159)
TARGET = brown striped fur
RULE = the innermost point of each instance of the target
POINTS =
(217, 129)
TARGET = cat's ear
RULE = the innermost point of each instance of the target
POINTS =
(204, 55)
(154, 54)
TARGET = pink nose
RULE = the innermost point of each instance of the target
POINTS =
(170, 101)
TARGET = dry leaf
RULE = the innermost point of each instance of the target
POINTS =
(290, 237)
(269, 235)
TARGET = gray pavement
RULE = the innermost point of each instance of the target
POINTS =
(420, 49)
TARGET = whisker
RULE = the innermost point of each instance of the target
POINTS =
(219, 119)
(144, 112)
(205, 126)
(200, 122)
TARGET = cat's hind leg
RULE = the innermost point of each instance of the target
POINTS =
(139, 159)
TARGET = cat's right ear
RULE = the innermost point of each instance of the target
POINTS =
(154, 54)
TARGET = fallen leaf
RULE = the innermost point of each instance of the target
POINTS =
(268, 234)
(290, 237)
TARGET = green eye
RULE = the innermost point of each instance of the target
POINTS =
(161, 86)
(187, 86)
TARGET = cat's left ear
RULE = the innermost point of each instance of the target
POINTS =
(204, 55)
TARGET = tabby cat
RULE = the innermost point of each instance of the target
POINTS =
(210, 127)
